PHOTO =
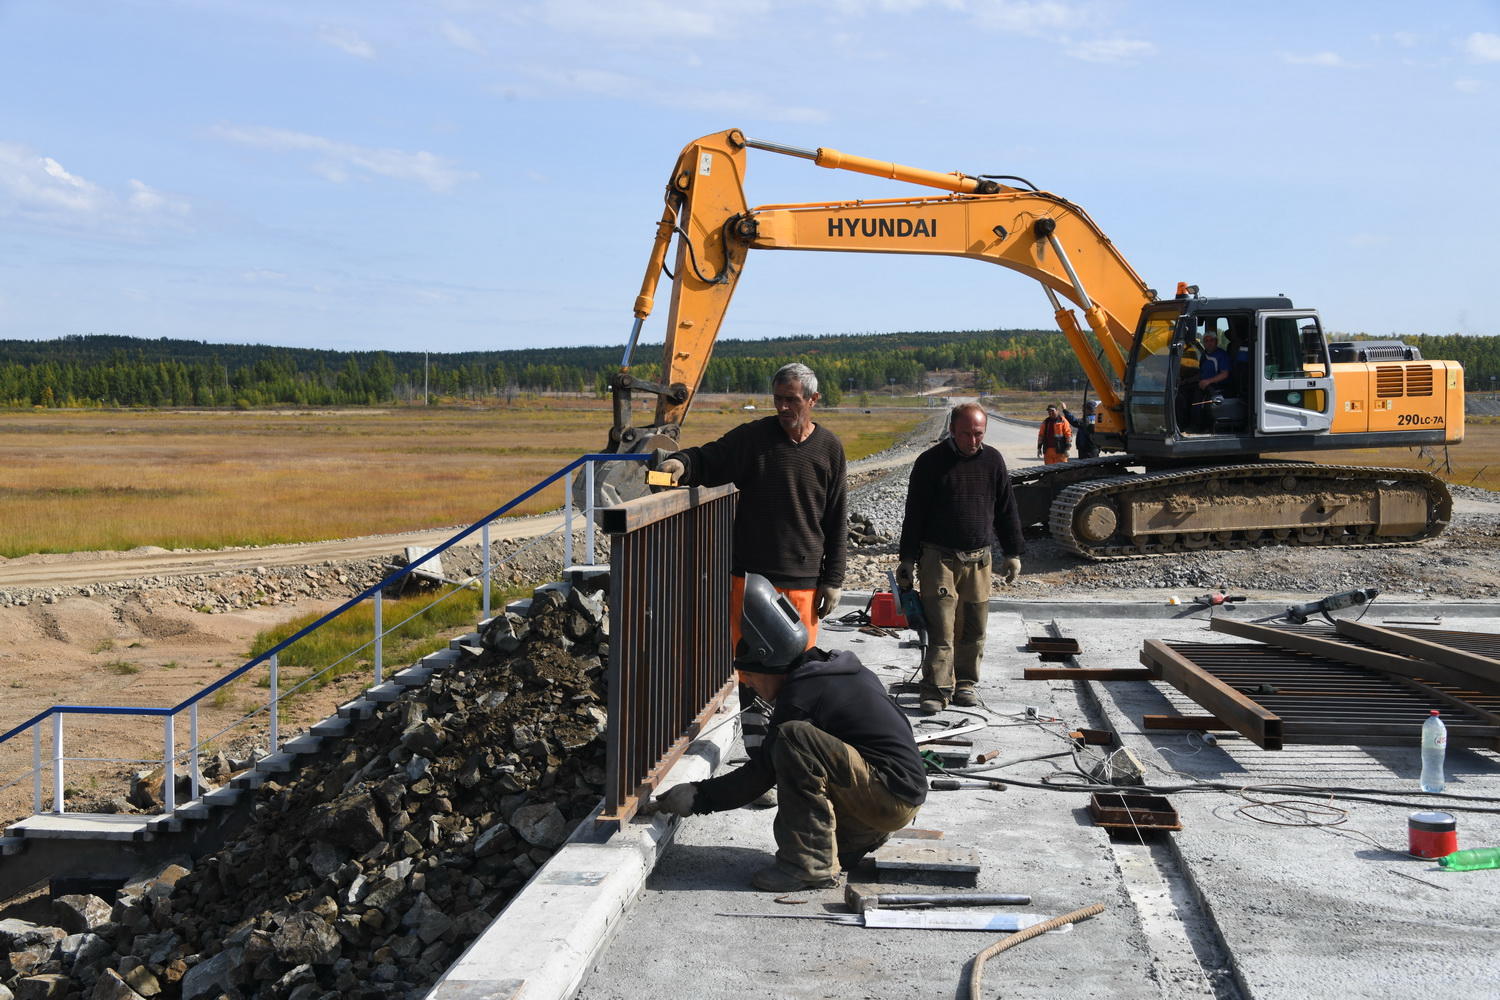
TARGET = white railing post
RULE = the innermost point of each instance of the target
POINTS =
(57, 764)
(168, 767)
(193, 769)
(275, 702)
(379, 652)
(36, 768)
(588, 507)
(485, 540)
(568, 519)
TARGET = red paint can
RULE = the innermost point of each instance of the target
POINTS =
(1432, 834)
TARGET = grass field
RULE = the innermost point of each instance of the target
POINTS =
(78, 480)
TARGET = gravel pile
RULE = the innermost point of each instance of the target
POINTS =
(367, 873)
(513, 561)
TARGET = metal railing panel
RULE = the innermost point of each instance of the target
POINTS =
(670, 661)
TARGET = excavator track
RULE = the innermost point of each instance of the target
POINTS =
(1248, 506)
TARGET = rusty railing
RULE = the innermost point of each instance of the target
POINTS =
(669, 657)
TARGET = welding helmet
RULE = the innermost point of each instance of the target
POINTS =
(771, 632)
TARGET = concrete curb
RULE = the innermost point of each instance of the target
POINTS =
(574, 903)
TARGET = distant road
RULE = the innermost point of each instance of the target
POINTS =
(79, 569)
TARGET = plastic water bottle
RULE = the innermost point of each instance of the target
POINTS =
(1472, 859)
(1434, 746)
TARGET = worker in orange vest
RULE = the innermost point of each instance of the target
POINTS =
(1054, 439)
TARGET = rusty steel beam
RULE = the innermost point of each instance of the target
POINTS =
(669, 657)
(1434, 678)
(1446, 649)
(1087, 674)
(1313, 698)
(1243, 715)
(1191, 723)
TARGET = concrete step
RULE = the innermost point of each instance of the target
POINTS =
(412, 677)
(336, 726)
(84, 826)
(441, 660)
(359, 708)
(302, 746)
(472, 639)
(384, 693)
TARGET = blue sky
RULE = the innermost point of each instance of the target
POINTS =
(465, 175)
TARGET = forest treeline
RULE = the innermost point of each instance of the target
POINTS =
(101, 370)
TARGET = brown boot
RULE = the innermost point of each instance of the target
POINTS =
(775, 878)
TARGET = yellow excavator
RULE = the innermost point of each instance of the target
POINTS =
(1182, 468)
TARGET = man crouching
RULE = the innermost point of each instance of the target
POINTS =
(839, 753)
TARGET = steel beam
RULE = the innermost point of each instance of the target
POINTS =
(1347, 649)
(1243, 715)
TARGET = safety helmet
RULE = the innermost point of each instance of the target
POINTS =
(771, 632)
(1092, 404)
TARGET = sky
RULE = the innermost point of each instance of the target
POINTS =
(460, 175)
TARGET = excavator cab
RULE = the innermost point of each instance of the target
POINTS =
(1278, 376)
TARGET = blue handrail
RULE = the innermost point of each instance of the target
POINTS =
(352, 602)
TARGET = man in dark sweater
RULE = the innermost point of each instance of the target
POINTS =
(839, 752)
(958, 504)
(790, 525)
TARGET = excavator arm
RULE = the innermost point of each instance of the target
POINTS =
(1038, 234)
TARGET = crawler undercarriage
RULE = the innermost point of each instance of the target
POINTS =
(1100, 509)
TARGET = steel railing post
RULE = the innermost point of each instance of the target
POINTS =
(36, 768)
(57, 763)
(568, 519)
(485, 538)
(276, 701)
(588, 533)
(168, 768)
(194, 770)
(379, 653)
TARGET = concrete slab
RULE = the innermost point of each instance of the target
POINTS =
(82, 826)
(699, 916)
(1236, 905)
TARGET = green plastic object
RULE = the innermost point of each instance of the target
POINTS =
(1472, 860)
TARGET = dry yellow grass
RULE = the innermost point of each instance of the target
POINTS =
(87, 480)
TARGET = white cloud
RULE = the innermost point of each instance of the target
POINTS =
(750, 104)
(39, 189)
(1025, 16)
(338, 161)
(650, 18)
(347, 41)
(1111, 50)
(1314, 59)
(461, 38)
(1483, 47)
(1468, 86)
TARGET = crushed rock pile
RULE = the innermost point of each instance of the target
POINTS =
(513, 561)
(367, 873)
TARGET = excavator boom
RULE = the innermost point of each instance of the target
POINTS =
(1038, 234)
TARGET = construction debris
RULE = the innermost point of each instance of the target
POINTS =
(368, 873)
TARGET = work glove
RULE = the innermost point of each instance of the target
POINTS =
(906, 575)
(673, 467)
(1012, 569)
(676, 801)
(1038, 451)
(827, 600)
